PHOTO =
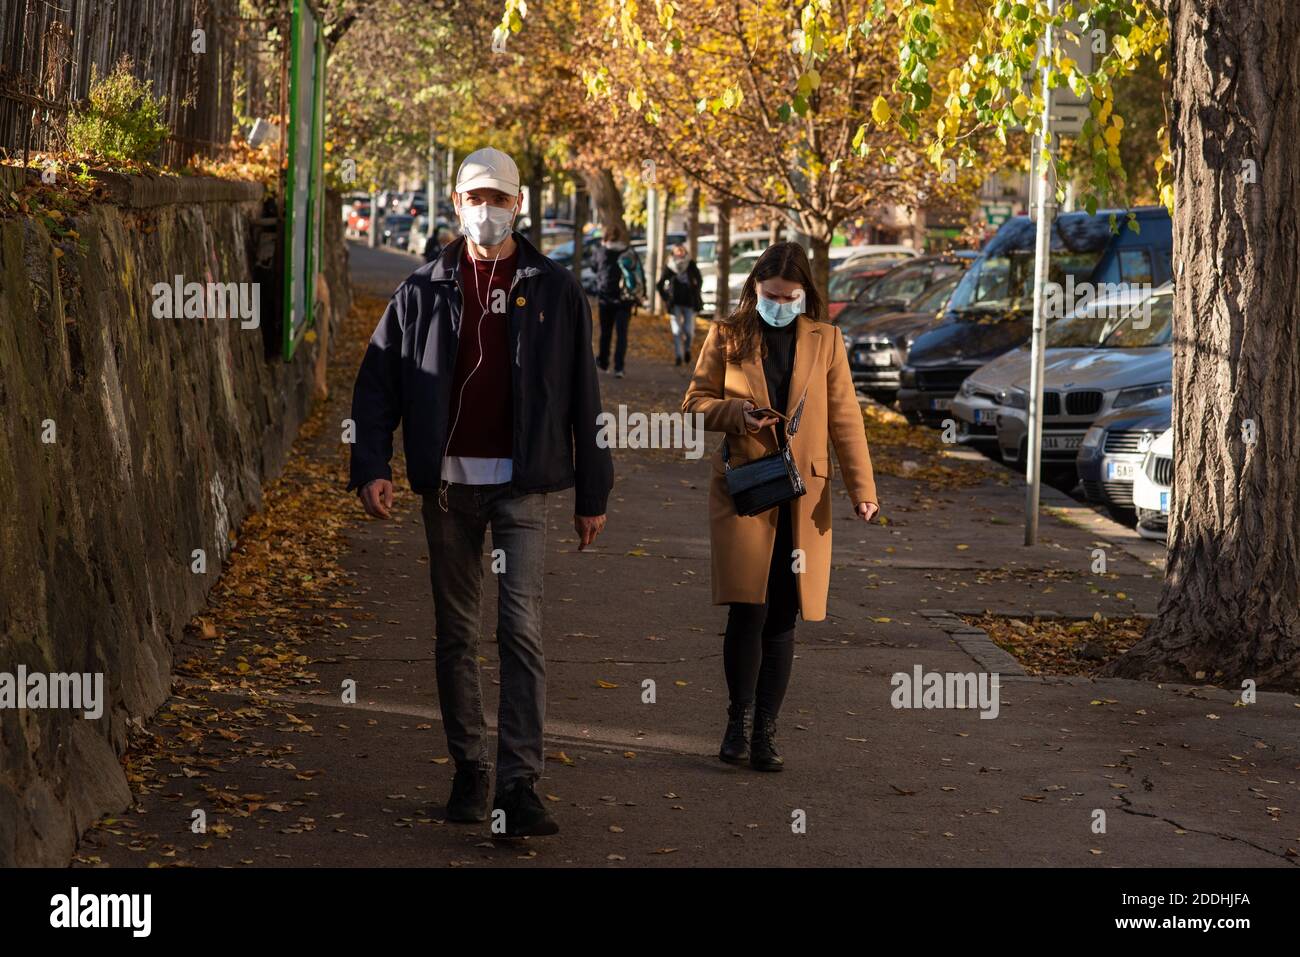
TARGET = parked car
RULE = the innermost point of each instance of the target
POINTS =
(899, 287)
(1133, 364)
(359, 220)
(990, 311)
(845, 255)
(975, 407)
(1152, 487)
(850, 281)
(878, 347)
(706, 258)
(396, 230)
(1113, 450)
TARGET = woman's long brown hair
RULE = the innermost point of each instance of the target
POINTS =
(742, 330)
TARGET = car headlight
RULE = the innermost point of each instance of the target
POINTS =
(1015, 398)
(1092, 438)
(967, 388)
(1141, 393)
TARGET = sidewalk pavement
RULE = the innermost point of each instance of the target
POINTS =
(289, 775)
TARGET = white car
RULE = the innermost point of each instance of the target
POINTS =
(976, 407)
(1152, 487)
(707, 260)
(852, 255)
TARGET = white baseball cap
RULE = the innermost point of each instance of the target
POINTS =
(488, 169)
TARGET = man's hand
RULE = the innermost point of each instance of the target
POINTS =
(867, 510)
(377, 497)
(588, 527)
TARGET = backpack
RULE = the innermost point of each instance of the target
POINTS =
(619, 276)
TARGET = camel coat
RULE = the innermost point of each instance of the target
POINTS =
(742, 546)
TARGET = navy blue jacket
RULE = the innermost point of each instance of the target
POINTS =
(406, 377)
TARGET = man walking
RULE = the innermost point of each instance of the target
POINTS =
(620, 285)
(484, 357)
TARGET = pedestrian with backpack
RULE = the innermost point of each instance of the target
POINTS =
(620, 287)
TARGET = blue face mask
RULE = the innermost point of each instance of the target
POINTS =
(779, 314)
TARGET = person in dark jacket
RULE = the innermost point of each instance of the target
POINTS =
(620, 286)
(437, 241)
(680, 286)
(484, 358)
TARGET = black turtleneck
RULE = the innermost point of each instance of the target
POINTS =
(778, 363)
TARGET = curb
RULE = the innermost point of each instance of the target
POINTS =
(976, 643)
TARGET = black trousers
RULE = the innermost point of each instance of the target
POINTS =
(614, 316)
(758, 649)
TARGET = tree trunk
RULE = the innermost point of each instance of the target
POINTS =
(774, 232)
(536, 172)
(606, 200)
(693, 221)
(821, 265)
(579, 220)
(1232, 586)
(722, 245)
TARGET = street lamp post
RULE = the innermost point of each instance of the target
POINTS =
(1044, 148)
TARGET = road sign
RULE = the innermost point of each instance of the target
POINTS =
(995, 214)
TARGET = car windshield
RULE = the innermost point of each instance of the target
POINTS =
(934, 298)
(845, 285)
(1007, 282)
(1088, 327)
(1142, 328)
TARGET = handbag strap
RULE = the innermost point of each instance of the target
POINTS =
(790, 430)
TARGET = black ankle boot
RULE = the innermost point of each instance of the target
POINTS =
(762, 748)
(735, 741)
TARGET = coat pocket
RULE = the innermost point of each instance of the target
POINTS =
(821, 468)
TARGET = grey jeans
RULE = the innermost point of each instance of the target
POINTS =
(456, 571)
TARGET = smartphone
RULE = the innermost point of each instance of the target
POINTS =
(766, 413)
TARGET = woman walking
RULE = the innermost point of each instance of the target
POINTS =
(680, 286)
(774, 354)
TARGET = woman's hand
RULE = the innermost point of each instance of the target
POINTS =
(754, 424)
(867, 510)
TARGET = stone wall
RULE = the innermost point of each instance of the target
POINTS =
(163, 433)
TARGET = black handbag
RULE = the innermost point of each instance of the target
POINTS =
(764, 483)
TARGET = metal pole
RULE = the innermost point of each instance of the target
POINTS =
(1046, 207)
(651, 264)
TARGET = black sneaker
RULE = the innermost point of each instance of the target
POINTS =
(468, 803)
(524, 814)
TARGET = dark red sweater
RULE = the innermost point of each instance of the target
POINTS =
(482, 395)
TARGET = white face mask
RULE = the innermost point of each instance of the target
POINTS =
(676, 264)
(486, 225)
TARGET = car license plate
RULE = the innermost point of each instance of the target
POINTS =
(940, 405)
(1164, 502)
(1061, 443)
(986, 416)
(1120, 470)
